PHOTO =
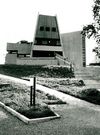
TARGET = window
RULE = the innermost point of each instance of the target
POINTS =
(41, 28)
(53, 29)
(13, 51)
(47, 28)
(84, 64)
(58, 43)
(44, 42)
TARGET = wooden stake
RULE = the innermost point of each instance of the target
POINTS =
(34, 92)
(31, 95)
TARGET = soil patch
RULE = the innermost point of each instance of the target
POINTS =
(36, 112)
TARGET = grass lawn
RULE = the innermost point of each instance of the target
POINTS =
(56, 77)
(72, 87)
(17, 97)
(43, 71)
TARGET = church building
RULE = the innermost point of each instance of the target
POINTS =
(49, 46)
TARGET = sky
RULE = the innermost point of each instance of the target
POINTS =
(18, 20)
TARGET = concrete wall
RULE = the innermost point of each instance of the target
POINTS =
(10, 58)
(36, 62)
(12, 46)
(73, 47)
(46, 48)
(24, 49)
(21, 48)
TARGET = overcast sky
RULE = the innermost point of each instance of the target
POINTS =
(18, 19)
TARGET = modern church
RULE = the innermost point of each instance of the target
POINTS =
(49, 46)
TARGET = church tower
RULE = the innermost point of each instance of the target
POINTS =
(47, 42)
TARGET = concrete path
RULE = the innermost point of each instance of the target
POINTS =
(92, 83)
(78, 117)
(90, 75)
(74, 121)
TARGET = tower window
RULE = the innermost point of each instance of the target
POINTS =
(53, 29)
(41, 28)
(47, 28)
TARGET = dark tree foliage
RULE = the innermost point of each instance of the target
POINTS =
(89, 30)
(94, 28)
(95, 50)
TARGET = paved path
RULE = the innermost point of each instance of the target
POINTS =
(90, 75)
(92, 83)
(74, 121)
(77, 118)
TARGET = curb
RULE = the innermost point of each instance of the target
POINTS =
(25, 119)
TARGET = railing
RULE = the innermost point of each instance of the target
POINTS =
(62, 59)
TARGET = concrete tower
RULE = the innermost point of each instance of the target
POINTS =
(47, 40)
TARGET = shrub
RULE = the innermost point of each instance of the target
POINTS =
(90, 92)
(92, 95)
(81, 83)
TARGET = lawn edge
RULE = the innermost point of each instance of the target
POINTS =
(25, 119)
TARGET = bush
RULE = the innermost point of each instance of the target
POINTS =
(90, 92)
(92, 95)
(81, 83)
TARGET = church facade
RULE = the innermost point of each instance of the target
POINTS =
(49, 46)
